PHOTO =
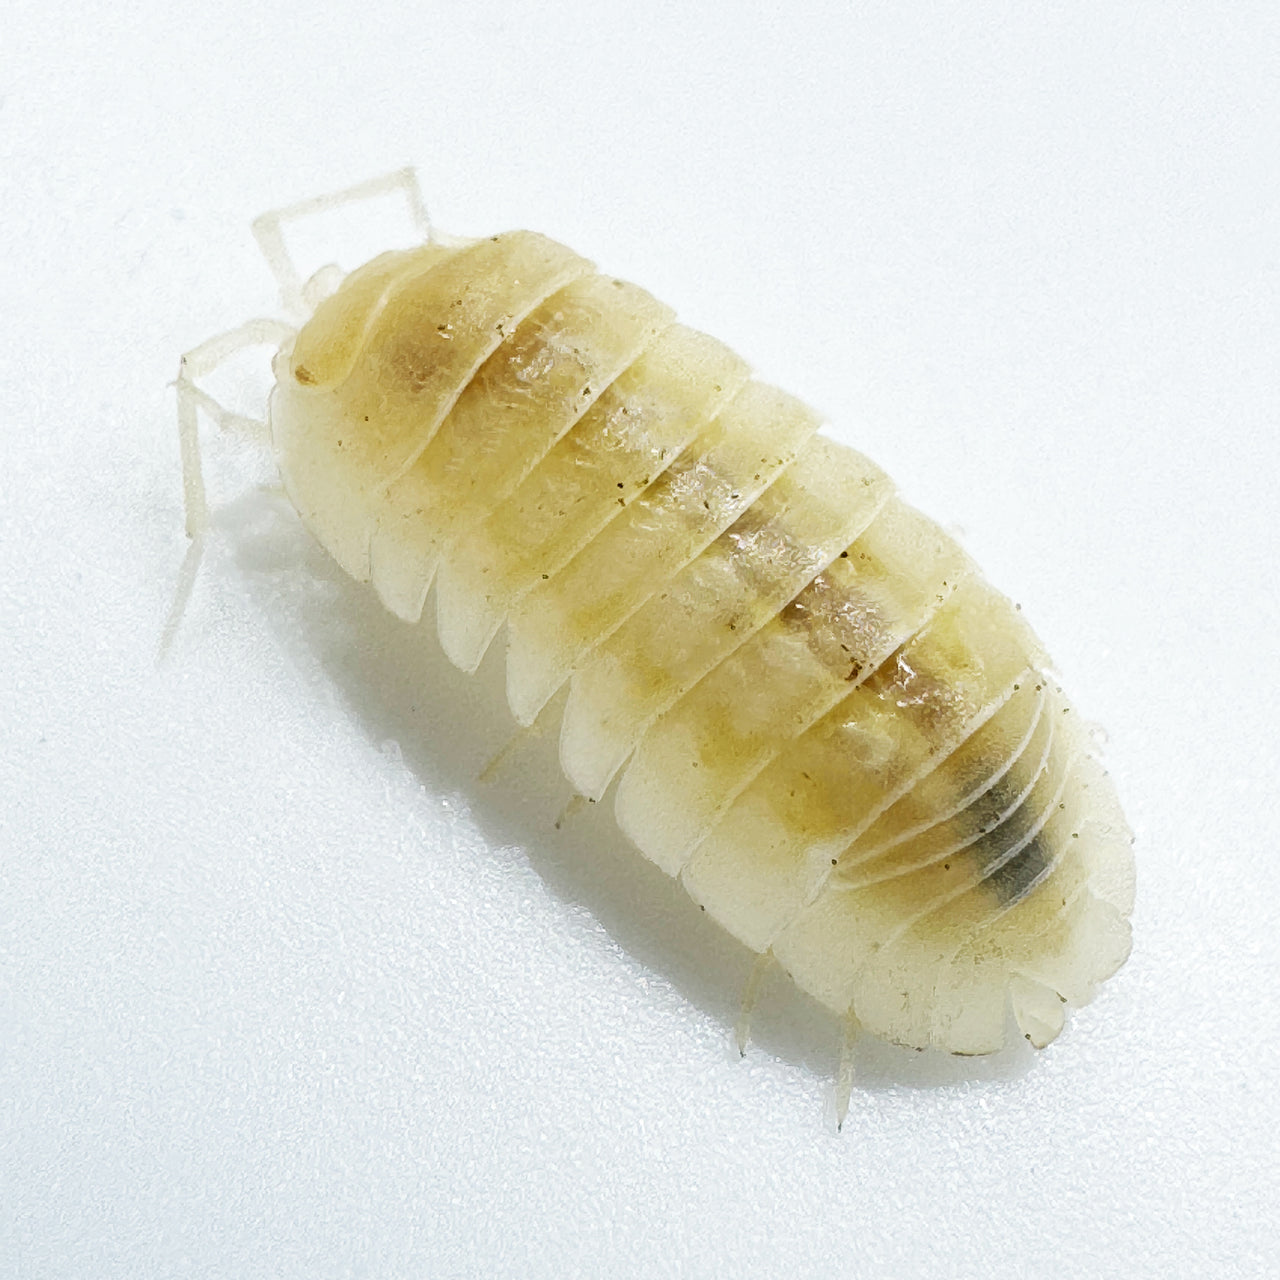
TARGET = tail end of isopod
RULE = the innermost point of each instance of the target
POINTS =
(1039, 1011)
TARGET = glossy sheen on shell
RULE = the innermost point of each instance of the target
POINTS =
(818, 714)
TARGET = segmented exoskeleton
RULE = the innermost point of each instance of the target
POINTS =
(817, 714)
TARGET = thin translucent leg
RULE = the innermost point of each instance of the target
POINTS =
(268, 229)
(523, 737)
(506, 753)
(750, 994)
(575, 805)
(181, 596)
(844, 1080)
(198, 363)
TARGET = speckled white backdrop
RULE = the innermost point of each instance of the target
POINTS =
(286, 992)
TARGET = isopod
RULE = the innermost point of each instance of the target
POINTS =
(811, 707)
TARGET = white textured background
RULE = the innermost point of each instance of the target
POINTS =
(282, 998)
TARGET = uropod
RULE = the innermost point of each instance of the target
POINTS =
(809, 705)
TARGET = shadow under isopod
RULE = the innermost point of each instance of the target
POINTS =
(399, 686)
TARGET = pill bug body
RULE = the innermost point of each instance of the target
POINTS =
(813, 709)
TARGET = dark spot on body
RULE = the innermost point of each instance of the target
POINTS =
(1017, 877)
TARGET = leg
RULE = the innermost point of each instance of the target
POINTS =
(750, 994)
(523, 737)
(573, 806)
(268, 229)
(197, 363)
(844, 1081)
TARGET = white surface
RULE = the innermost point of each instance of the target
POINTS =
(278, 999)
